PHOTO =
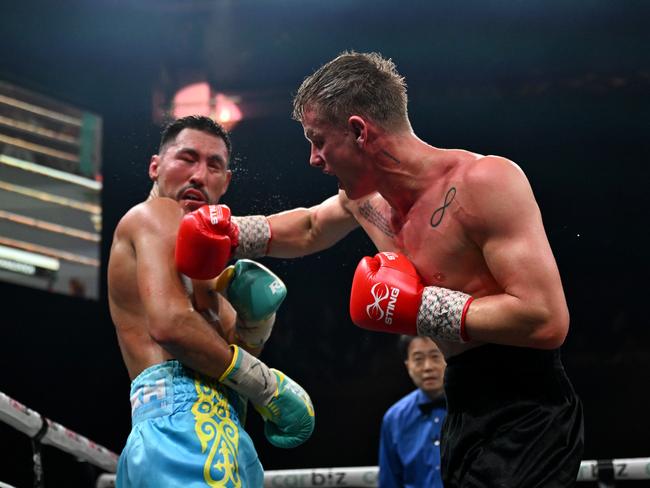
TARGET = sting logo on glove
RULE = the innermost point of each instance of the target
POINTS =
(380, 292)
(386, 293)
(216, 214)
(430, 311)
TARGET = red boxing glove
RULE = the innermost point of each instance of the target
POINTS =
(386, 294)
(205, 242)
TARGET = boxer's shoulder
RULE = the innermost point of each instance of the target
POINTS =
(373, 203)
(158, 207)
(351, 205)
(153, 215)
(489, 170)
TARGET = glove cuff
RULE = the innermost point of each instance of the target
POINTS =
(254, 236)
(442, 314)
(255, 333)
(250, 377)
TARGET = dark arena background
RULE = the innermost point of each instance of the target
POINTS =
(560, 87)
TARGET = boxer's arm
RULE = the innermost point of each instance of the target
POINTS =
(209, 237)
(172, 320)
(507, 225)
(303, 231)
(228, 327)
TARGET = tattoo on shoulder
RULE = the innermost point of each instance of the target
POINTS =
(439, 213)
(372, 215)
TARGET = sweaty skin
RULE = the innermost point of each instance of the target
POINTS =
(467, 222)
(157, 314)
(146, 293)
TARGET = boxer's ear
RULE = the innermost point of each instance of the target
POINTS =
(359, 128)
(153, 167)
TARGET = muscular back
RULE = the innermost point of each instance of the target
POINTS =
(143, 243)
(139, 350)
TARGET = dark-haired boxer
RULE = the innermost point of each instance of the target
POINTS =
(189, 352)
(465, 261)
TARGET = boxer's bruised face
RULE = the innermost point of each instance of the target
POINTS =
(334, 149)
(426, 366)
(192, 169)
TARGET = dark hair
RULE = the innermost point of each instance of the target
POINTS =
(403, 344)
(197, 122)
(364, 84)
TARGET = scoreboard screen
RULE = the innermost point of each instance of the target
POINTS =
(50, 193)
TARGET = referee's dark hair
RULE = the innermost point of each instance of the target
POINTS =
(403, 344)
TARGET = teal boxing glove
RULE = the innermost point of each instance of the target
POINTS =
(289, 416)
(285, 406)
(255, 293)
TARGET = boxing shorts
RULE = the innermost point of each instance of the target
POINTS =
(513, 420)
(186, 432)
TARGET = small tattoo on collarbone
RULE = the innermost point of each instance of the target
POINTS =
(439, 213)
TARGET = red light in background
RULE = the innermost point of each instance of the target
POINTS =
(192, 100)
(227, 113)
(199, 99)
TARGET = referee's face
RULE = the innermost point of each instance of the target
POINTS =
(426, 366)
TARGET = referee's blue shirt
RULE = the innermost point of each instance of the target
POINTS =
(409, 447)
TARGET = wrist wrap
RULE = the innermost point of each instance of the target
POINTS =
(254, 236)
(250, 377)
(442, 314)
(255, 333)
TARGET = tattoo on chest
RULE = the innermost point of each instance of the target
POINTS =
(439, 213)
(372, 215)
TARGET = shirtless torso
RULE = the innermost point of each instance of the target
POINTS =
(471, 224)
(491, 293)
(433, 236)
(151, 228)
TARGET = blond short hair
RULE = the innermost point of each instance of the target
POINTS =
(365, 84)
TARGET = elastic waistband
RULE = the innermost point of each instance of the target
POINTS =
(169, 387)
(499, 357)
(502, 374)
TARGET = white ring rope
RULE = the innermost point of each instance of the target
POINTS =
(30, 423)
(366, 476)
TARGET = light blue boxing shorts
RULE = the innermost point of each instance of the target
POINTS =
(186, 433)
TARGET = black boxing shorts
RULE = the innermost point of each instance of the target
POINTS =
(513, 420)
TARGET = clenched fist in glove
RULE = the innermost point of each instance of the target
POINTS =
(209, 237)
(388, 296)
(256, 293)
(285, 406)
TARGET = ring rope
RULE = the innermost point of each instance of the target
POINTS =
(366, 476)
(33, 424)
(42, 430)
